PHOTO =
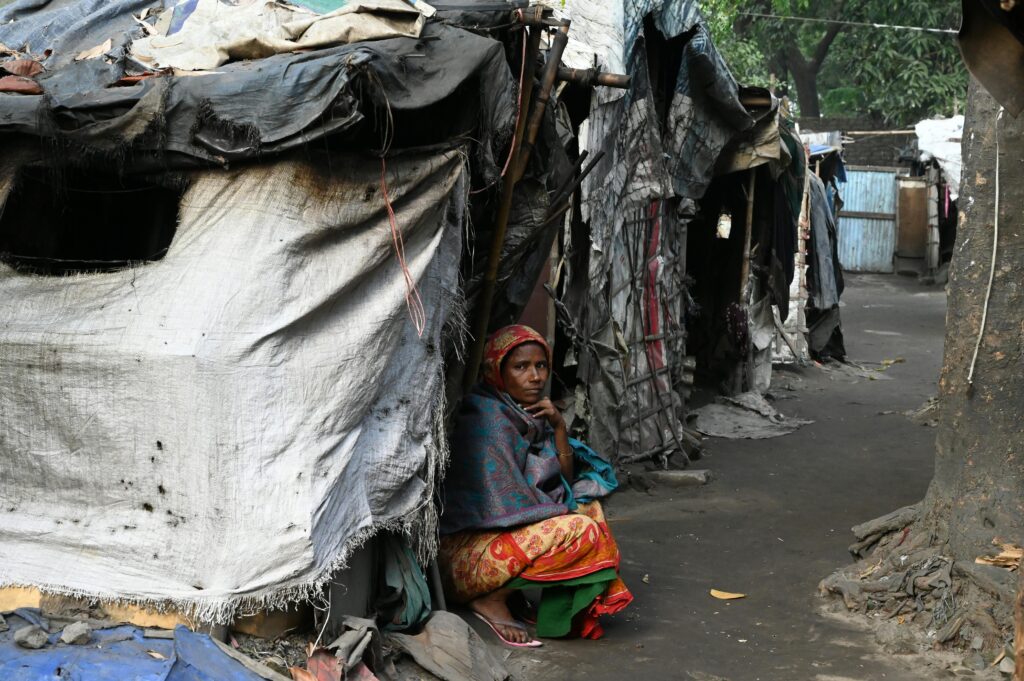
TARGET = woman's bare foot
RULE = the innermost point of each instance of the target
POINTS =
(494, 606)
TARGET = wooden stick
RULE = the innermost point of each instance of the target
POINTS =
(745, 268)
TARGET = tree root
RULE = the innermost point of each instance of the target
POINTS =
(902, 574)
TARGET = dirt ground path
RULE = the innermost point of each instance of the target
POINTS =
(775, 521)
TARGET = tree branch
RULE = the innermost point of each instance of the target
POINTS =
(821, 51)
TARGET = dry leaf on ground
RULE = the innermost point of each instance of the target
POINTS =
(726, 596)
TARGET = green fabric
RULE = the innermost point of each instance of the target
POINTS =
(404, 599)
(561, 601)
(321, 6)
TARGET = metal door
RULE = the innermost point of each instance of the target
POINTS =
(867, 222)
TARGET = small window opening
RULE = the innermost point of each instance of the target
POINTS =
(71, 221)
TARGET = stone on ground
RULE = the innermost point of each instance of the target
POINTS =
(32, 637)
(76, 634)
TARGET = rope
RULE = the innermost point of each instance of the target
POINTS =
(992, 266)
(867, 24)
(412, 295)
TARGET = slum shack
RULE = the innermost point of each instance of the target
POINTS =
(231, 240)
(249, 254)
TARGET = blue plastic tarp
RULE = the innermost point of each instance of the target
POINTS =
(116, 654)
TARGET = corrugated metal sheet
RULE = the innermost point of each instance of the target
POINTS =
(867, 222)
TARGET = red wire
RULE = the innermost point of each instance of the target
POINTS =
(413, 301)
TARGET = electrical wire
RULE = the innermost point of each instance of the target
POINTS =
(992, 266)
(864, 24)
(413, 301)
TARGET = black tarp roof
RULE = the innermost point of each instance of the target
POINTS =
(457, 78)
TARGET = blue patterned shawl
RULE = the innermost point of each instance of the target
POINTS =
(504, 470)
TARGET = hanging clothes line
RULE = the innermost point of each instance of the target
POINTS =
(922, 29)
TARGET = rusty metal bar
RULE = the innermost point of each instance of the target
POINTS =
(592, 77)
(547, 83)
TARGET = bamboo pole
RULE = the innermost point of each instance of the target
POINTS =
(749, 227)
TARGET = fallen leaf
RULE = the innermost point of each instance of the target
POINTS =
(726, 596)
(1009, 557)
(19, 85)
(97, 51)
(28, 68)
(300, 674)
(646, 579)
(155, 655)
(324, 666)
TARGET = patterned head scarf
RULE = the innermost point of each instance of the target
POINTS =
(501, 343)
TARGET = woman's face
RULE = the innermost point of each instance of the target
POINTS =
(525, 372)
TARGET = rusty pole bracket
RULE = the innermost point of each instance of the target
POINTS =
(592, 77)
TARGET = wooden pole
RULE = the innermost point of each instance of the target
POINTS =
(745, 268)
(485, 301)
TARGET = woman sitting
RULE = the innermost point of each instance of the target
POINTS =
(509, 520)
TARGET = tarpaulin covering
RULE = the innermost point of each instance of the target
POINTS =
(250, 109)
(215, 33)
(116, 653)
(939, 139)
(662, 138)
(222, 426)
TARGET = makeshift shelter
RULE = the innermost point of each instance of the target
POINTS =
(744, 254)
(930, 197)
(226, 293)
(624, 289)
(240, 241)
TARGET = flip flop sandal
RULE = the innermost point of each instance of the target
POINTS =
(494, 624)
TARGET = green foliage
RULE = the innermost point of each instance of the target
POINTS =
(899, 75)
(840, 101)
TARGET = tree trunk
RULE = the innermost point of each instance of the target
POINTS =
(805, 78)
(977, 493)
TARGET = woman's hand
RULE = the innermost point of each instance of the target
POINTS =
(545, 409)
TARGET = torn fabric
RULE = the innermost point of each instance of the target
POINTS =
(222, 427)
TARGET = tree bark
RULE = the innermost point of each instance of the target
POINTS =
(806, 82)
(805, 71)
(1018, 618)
(977, 493)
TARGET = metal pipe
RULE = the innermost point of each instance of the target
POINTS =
(592, 77)
(547, 83)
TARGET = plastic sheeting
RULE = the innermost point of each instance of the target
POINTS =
(939, 139)
(216, 33)
(625, 297)
(223, 426)
(117, 654)
(745, 416)
(249, 109)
